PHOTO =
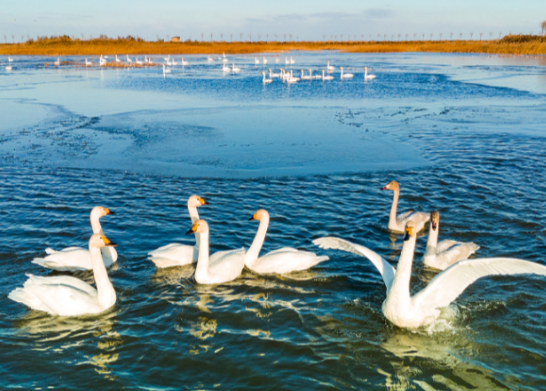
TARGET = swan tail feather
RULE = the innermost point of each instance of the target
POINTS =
(163, 263)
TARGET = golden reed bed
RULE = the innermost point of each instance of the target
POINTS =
(64, 46)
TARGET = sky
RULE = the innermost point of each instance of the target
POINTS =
(304, 19)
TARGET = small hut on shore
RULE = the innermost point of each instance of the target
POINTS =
(175, 39)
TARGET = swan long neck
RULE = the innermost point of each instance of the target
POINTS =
(254, 250)
(394, 208)
(95, 225)
(432, 242)
(106, 292)
(400, 289)
(194, 216)
(202, 269)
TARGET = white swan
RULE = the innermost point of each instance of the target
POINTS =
(316, 77)
(166, 70)
(277, 59)
(117, 59)
(304, 77)
(264, 80)
(264, 60)
(168, 58)
(176, 254)
(366, 76)
(256, 61)
(326, 77)
(184, 62)
(346, 75)
(292, 61)
(210, 59)
(223, 266)
(88, 63)
(272, 75)
(234, 69)
(78, 258)
(129, 60)
(58, 62)
(9, 67)
(329, 67)
(281, 261)
(138, 62)
(69, 296)
(291, 79)
(10, 59)
(225, 68)
(398, 223)
(102, 61)
(447, 252)
(424, 307)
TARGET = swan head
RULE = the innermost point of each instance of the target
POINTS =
(195, 201)
(434, 219)
(259, 215)
(99, 240)
(99, 211)
(200, 226)
(410, 230)
(393, 185)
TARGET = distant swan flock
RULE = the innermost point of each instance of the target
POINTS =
(65, 295)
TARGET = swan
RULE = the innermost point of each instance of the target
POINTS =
(175, 254)
(317, 77)
(264, 60)
(277, 59)
(326, 77)
(129, 60)
(9, 67)
(292, 61)
(184, 62)
(447, 252)
(281, 261)
(256, 61)
(286, 62)
(272, 75)
(166, 70)
(223, 266)
(77, 258)
(173, 62)
(424, 307)
(117, 59)
(70, 296)
(10, 59)
(366, 76)
(346, 75)
(266, 81)
(398, 223)
(138, 62)
(58, 62)
(233, 69)
(329, 67)
(102, 61)
(168, 58)
(291, 79)
(303, 77)
(88, 63)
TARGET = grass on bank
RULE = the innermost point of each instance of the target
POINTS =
(64, 45)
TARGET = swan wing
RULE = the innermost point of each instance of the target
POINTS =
(449, 284)
(175, 254)
(418, 218)
(386, 269)
(77, 259)
(445, 245)
(286, 260)
(227, 265)
(61, 295)
(456, 253)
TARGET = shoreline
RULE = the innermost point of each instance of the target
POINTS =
(65, 47)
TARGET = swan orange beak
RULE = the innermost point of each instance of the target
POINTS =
(108, 242)
(385, 187)
(192, 229)
(108, 211)
(409, 231)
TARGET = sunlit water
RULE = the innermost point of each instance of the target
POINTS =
(462, 134)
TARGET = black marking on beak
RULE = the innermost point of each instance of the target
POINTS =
(251, 219)
(205, 202)
(384, 188)
(112, 244)
(111, 212)
(407, 237)
(190, 232)
(434, 226)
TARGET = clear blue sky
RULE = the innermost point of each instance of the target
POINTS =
(304, 19)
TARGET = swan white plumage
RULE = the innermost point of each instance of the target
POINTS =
(102, 61)
(117, 59)
(326, 77)
(264, 60)
(343, 76)
(316, 77)
(256, 61)
(424, 307)
(78, 258)
(272, 75)
(225, 68)
(166, 70)
(398, 223)
(88, 63)
(58, 62)
(69, 296)
(292, 61)
(223, 266)
(129, 60)
(304, 77)
(176, 254)
(277, 59)
(234, 69)
(184, 62)
(281, 261)
(291, 79)
(366, 76)
(264, 80)
(329, 67)
(9, 67)
(10, 59)
(447, 252)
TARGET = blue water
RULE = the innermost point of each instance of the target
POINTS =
(462, 134)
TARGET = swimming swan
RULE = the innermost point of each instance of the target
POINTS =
(69, 296)
(346, 75)
(281, 261)
(264, 80)
(329, 67)
(77, 258)
(326, 77)
(424, 307)
(447, 252)
(398, 223)
(366, 76)
(176, 254)
(223, 266)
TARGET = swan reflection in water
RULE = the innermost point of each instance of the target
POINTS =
(71, 331)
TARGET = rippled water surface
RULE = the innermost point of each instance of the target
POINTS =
(462, 134)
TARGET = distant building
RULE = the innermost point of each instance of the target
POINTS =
(175, 39)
